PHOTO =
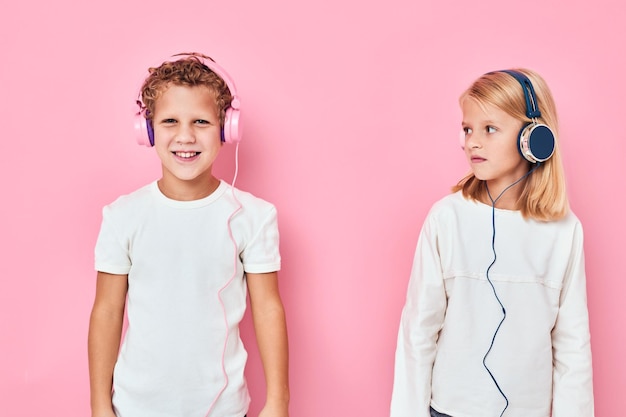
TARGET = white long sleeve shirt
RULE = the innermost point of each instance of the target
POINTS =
(541, 356)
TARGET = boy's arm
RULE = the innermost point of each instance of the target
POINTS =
(270, 326)
(105, 332)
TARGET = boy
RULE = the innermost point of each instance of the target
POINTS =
(183, 249)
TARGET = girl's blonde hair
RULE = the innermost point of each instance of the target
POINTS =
(543, 196)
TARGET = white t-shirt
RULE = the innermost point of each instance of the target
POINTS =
(182, 355)
(541, 357)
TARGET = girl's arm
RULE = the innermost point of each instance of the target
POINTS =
(105, 332)
(270, 326)
(422, 319)
(572, 373)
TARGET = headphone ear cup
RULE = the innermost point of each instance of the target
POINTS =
(536, 142)
(232, 130)
(143, 130)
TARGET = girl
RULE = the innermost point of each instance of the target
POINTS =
(495, 321)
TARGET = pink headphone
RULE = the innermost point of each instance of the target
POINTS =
(232, 129)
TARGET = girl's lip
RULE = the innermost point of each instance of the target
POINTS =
(477, 159)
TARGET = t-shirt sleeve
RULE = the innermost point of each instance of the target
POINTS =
(261, 254)
(112, 250)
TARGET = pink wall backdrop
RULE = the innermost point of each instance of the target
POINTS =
(352, 121)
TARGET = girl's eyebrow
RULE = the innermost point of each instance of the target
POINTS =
(483, 122)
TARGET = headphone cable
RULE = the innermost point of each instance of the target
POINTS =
(493, 288)
(231, 279)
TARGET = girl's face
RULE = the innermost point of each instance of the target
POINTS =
(491, 145)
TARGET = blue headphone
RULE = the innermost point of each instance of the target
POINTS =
(536, 141)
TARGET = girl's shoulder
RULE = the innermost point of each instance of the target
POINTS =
(454, 203)
(454, 211)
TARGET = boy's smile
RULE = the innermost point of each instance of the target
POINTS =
(186, 155)
(187, 138)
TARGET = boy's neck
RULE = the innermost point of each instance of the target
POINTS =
(195, 189)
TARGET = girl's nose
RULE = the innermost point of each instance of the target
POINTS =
(473, 140)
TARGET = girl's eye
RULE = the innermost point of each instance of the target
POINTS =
(203, 122)
(169, 121)
(491, 129)
(467, 131)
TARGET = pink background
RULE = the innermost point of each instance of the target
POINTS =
(351, 130)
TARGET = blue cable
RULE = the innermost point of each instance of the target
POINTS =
(495, 293)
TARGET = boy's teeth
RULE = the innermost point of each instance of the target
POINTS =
(186, 154)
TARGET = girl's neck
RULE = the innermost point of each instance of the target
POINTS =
(503, 196)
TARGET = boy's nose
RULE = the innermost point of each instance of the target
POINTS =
(185, 135)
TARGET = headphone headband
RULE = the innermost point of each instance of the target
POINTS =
(217, 69)
(536, 141)
(231, 130)
(532, 107)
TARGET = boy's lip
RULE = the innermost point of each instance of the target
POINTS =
(186, 154)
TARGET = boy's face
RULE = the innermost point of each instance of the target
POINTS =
(186, 135)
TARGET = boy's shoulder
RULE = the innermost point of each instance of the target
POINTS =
(134, 198)
(246, 196)
(224, 198)
(249, 202)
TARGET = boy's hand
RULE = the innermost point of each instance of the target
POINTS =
(103, 413)
(274, 410)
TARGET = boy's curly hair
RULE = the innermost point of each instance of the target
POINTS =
(190, 71)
